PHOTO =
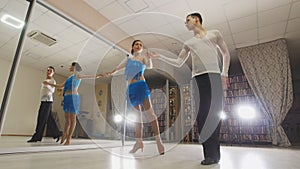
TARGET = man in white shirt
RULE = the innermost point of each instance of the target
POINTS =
(203, 48)
(45, 110)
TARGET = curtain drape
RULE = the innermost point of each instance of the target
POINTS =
(267, 69)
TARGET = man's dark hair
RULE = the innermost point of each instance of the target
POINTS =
(196, 14)
(51, 67)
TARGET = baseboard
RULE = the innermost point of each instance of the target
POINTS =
(16, 135)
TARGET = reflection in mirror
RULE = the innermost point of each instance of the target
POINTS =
(57, 41)
(11, 30)
(51, 40)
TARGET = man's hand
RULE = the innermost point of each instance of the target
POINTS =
(45, 82)
(225, 82)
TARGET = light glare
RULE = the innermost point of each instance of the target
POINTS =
(246, 112)
(118, 118)
(223, 115)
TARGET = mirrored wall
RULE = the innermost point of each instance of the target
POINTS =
(53, 39)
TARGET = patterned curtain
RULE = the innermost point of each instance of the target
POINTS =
(267, 68)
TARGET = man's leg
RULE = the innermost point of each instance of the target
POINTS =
(208, 118)
(43, 114)
(52, 128)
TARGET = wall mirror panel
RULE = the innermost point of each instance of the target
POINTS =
(54, 39)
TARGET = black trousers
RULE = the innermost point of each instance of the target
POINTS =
(208, 118)
(45, 117)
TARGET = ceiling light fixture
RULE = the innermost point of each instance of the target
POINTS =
(12, 21)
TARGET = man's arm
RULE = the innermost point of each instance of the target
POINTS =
(225, 53)
(54, 85)
(183, 56)
(226, 59)
(52, 89)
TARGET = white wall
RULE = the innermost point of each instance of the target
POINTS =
(87, 92)
(24, 101)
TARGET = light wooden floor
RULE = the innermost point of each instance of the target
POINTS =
(15, 153)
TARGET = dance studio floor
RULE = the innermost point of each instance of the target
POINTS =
(15, 153)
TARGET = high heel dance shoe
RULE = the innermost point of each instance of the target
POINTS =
(63, 139)
(137, 146)
(161, 149)
(68, 142)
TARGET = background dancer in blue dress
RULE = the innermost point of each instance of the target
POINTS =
(138, 93)
(71, 103)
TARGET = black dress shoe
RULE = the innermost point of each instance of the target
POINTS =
(57, 138)
(32, 141)
(209, 161)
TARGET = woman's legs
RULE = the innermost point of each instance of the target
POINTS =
(66, 128)
(152, 118)
(71, 108)
(139, 93)
(138, 130)
(139, 125)
(72, 125)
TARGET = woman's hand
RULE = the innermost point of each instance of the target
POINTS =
(110, 73)
(99, 75)
(152, 55)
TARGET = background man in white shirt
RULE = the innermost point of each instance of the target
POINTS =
(45, 111)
